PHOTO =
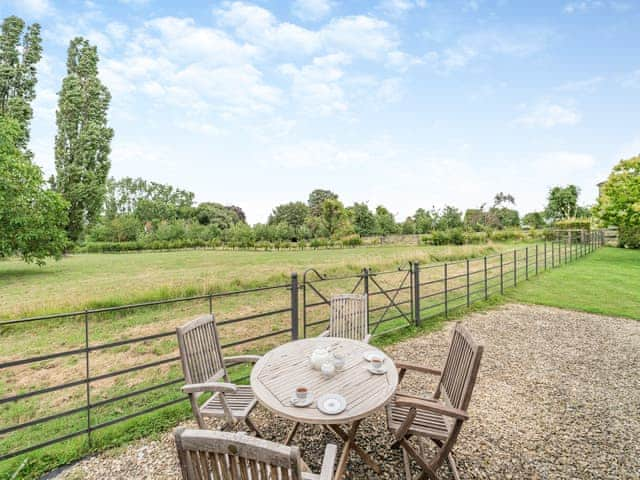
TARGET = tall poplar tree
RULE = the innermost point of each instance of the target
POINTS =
(83, 142)
(20, 51)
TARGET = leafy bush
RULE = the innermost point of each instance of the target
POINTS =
(629, 237)
(476, 237)
(351, 241)
(573, 224)
(506, 235)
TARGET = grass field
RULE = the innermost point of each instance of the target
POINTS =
(93, 280)
(606, 282)
(90, 280)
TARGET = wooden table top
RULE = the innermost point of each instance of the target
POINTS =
(276, 375)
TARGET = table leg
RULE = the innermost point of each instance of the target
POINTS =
(291, 433)
(350, 444)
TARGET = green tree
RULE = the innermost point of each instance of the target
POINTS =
(292, 214)
(619, 201)
(450, 217)
(385, 221)
(562, 203)
(332, 215)
(211, 213)
(409, 226)
(363, 219)
(83, 140)
(534, 219)
(424, 221)
(317, 198)
(20, 51)
(32, 219)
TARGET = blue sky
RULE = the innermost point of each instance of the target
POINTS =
(410, 103)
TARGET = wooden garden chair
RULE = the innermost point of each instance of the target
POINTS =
(349, 317)
(205, 370)
(438, 417)
(206, 454)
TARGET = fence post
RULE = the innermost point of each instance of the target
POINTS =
(526, 263)
(553, 254)
(365, 275)
(536, 259)
(294, 306)
(501, 276)
(515, 267)
(545, 254)
(87, 374)
(486, 285)
(565, 251)
(446, 291)
(416, 292)
(468, 293)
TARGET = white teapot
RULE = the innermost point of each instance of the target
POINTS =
(319, 356)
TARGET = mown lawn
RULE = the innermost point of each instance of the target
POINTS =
(605, 282)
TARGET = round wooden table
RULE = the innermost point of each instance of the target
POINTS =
(276, 375)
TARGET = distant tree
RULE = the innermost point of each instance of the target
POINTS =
(424, 221)
(449, 217)
(20, 51)
(534, 220)
(619, 202)
(332, 214)
(562, 203)
(238, 212)
(385, 221)
(32, 218)
(210, 213)
(83, 141)
(503, 217)
(475, 218)
(363, 219)
(317, 198)
(501, 199)
(292, 214)
(409, 226)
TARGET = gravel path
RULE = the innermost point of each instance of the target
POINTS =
(558, 397)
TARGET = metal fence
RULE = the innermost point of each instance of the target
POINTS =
(126, 354)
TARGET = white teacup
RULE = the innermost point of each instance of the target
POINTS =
(302, 393)
(339, 360)
(377, 362)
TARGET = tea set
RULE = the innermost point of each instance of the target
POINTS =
(328, 363)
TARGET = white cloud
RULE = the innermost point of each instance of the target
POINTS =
(521, 42)
(549, 115)
(311, 9)
(390, 90)
(35, 7)
(581, 86)
(357, 35)
(318, 154)
(585, 6)
(397, 8)
(402, 61)
(116, 30)
(316, 85)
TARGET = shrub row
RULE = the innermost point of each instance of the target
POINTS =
(629, 237)
(457, 236)
(132, 246)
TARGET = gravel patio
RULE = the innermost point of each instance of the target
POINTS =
(558, 396)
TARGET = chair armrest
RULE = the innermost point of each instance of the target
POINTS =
(228, 361)
(324, 334)
(432, 407)
(417, 368)
(210, 387)
(328, 462)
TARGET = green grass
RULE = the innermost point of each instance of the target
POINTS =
(95, 280)
(605, 282)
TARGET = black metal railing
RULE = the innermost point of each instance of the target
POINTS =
(397, 299)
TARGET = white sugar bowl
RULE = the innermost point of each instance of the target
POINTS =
(319, 356)
(328, 369)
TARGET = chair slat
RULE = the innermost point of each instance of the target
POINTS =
(348, 316)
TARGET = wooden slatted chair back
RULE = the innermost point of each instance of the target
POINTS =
(200, 351)
(349, 316)
(460, 370)
(207, 454)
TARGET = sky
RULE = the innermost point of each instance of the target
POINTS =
(406, 103)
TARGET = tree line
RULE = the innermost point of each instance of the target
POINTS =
(80, 203)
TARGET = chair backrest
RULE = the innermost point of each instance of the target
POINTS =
(348, 316)
(460, 369)
(200, 351)
(209, 454)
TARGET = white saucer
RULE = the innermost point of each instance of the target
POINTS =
(369, 354)
(302, 403)
(331, 404)
(380, 371)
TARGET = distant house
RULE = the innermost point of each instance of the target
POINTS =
(600, 185)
